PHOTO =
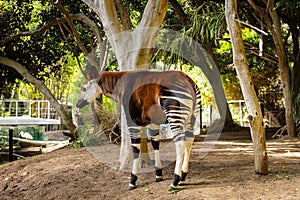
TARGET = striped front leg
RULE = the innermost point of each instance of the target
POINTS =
(155, 137)
(135, 135)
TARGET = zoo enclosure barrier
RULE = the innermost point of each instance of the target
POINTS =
(27, 108)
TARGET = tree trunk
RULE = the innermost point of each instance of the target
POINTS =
(240, 62)
(133, 48)
(284, 70)
(229, 123)
(296, 89)
(274, 26)
(296, 70)
(40, 85)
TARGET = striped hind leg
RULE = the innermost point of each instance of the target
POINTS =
(183, 145)
(155, 137)
(187, 151)
(135, 136)
(177, 106)
(180, 145)
(179, 138)
(186, 159)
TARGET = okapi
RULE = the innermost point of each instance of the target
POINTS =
(151, 98)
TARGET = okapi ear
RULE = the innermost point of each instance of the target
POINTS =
(94, 74)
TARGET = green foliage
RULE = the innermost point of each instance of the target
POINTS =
(135, 8)
(3, 141)
(208, 22)
(264, 74)
(88, 137)
(45, 56)
(202, 82)
(36, 52)
(78, 143)
(135, 17)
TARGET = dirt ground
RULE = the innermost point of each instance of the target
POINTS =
(227, 172)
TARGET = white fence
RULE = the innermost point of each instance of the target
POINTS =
(27, 111)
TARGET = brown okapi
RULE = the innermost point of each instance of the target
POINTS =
(152, 98)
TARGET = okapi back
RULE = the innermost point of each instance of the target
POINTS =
(140, 92)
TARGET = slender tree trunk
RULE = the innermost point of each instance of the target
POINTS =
(40, 86)
(240, 62)
(284, 70)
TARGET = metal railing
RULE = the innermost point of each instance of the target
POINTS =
(27, 108)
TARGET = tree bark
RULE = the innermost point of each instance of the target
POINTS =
(240, 62)
(124, 15)
(40, 86)
(284, 70)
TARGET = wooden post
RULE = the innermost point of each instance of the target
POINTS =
(10, 143)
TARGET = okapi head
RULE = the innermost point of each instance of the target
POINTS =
(90, 90)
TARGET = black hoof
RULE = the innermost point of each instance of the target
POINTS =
(158, 179)
(183, 176)
(131, 187)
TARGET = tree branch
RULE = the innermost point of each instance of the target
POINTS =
(154, 13)
(254, 50)
(71, 49)
(269, 4)
(106, 10)
(75, 34)
(66, 14)
(257, 8)
(180, 12)
(94, 5)
(29, 33)
(124, 16)
(252, 27)
(53, 23)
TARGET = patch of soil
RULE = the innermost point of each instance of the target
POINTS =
(227, 172)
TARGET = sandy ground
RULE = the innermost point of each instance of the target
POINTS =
(227, 172)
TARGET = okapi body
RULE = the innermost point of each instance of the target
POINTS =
(152, 98)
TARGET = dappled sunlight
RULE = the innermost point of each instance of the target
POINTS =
(287, 148)
(275, 148)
